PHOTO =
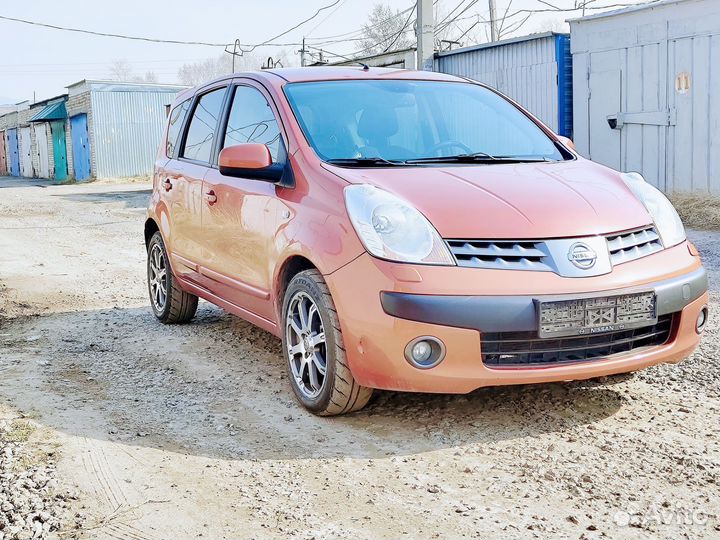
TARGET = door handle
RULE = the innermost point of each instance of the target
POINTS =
(210, 197)
(167, 184)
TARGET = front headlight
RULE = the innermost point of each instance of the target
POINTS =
(393, 229)
(667, 221)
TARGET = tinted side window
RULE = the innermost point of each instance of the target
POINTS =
(177, 115)
(201, 133)
(252, 120)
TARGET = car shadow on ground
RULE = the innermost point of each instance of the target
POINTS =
(217, 388)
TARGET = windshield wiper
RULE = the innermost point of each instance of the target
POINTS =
(476, 157)
(364, 161)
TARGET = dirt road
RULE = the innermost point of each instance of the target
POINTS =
(191, 431)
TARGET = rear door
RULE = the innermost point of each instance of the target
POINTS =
(239, 222)
(181, 181)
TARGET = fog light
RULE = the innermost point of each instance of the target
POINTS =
(421, 351)
(701, 320)
(425, 352)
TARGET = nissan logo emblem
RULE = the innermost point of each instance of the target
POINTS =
(582, 255)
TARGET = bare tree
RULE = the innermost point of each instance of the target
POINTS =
(210, 68)
(385, 30)
(150, 77)
(121, 70)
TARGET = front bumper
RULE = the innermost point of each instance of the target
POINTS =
(383, 306)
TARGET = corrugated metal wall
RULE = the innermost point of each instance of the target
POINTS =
(128, 128)
(525, 70)
(653, 72)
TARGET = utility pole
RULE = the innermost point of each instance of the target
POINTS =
(493, 21)
(425, 32)
(302, 53)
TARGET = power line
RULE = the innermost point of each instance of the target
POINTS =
(107, 34)
(325, 18)
(364, 28)
(298, 25)
(267, 42)
(440, 27)
(401, 32)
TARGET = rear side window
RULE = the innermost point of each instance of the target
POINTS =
(177, 115)
(201, 133)
(252, 120)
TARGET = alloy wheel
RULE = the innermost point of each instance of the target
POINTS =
(157, 277)
(306, 346)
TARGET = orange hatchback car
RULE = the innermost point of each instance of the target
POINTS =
(412, 231)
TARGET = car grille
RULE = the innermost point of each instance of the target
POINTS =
(507, 254)
(525, 349)
(632, 245)
(535, 254)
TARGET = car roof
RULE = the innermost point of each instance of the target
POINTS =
(327, 73)
(278, 77)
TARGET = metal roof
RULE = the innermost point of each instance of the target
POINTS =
(492, 44)
(121, 86)
(54, 111)
(639, 7)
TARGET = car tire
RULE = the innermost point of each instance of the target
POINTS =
(170, 304)
(305, 352)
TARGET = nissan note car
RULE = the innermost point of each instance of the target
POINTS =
(412, 231)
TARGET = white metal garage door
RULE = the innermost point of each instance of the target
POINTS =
(26, 168)
(41, 143)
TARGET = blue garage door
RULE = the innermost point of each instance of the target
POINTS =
(80, 146)
(13, 152)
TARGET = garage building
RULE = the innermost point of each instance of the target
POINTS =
(646, 91)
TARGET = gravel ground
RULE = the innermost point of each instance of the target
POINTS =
(144, 431)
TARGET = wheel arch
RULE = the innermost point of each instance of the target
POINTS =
(151, 227)
(290, 267)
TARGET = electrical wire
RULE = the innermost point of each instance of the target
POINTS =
(364, 28)
(251, 47)
(400, 33)
(107, 34)
(298, 25)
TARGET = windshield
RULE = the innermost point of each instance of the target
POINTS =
(401, 120)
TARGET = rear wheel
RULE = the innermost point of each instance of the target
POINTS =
(169, 302)
(314, 349)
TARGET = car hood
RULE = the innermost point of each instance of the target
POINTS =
(524, 200)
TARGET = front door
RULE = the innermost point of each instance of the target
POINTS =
(80, 146)
(238, 213)
(57, 129)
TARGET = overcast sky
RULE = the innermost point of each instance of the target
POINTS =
(43, 61)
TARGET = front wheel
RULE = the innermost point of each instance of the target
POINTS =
(314, 349)
(169, 302)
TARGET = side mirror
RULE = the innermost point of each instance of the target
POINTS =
(567, 142)
(249, 160)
